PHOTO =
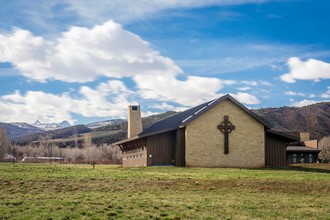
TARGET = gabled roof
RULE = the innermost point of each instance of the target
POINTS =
(301, 149)
(180, 120)
(283, 135)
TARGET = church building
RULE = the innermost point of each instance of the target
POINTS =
(218, 133)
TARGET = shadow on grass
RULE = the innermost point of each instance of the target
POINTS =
(303, 168)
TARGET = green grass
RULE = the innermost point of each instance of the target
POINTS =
(44, 191)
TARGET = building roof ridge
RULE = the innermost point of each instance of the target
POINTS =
(180, 120)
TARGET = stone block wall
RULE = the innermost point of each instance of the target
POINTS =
(205, 142)
(135, 158)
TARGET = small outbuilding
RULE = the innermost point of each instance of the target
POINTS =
(9, 158)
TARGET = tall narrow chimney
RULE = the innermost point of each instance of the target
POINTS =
(134, 121)
(304, 136)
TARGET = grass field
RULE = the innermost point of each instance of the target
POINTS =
(54, 191)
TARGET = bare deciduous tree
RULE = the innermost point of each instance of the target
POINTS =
(87, 147)
(4, 143)
(324, 145)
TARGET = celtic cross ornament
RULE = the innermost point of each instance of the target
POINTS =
(226, 127)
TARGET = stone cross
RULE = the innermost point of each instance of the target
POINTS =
(226, 127)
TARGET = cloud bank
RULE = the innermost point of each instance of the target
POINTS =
(126, 11)
(107, 50)
(82, 54)
(309, 70)
(106, 99)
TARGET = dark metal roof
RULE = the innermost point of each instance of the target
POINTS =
(126, 140)
(171, 123)
(180, 120)
(283, 135)
(301, 149)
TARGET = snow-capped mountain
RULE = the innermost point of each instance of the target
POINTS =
(18, 129)
(104, 123)
(25, 125)
(51, 126)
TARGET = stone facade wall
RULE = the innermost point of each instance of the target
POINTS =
(135, 158)
(205, 142)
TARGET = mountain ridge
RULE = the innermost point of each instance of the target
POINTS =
(51, 126)
(314, 119)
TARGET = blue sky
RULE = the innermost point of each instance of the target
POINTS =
(86, 61)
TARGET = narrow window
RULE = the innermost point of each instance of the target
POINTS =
(294, 158)
(310, 158)
(302, 158)
(134, 108)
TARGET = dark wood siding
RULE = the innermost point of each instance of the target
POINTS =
(161, 147)
(180, 148)
(275, 150)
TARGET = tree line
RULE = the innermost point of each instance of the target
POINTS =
(87, 152)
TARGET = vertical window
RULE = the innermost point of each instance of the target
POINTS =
(294, 158)
(302, 158)
(310, 158)
(134, 108)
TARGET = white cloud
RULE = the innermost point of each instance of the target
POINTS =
(254, 83)
(246, 98)
(244, 88)
(250, 82)
(126, 11)
(309, 70)
(163, 106)
(106, 100)
(83, 54)
(304, 102)
(231, 56)
(326, 94)
(295, 93)
(265, 83)
(193, 90)
(35, 105)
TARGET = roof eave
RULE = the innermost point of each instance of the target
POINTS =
(289, 137)
(302, 149)
(157, 132)
(221, 99)
(125, 140)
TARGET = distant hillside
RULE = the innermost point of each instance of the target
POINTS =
(51, 126)
(57, 134)
(115, 131)
(146, 122)
(314, 119)
(17, 130)
(98, 124)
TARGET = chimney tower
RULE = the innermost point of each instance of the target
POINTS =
(134, 121)
(304, 136)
